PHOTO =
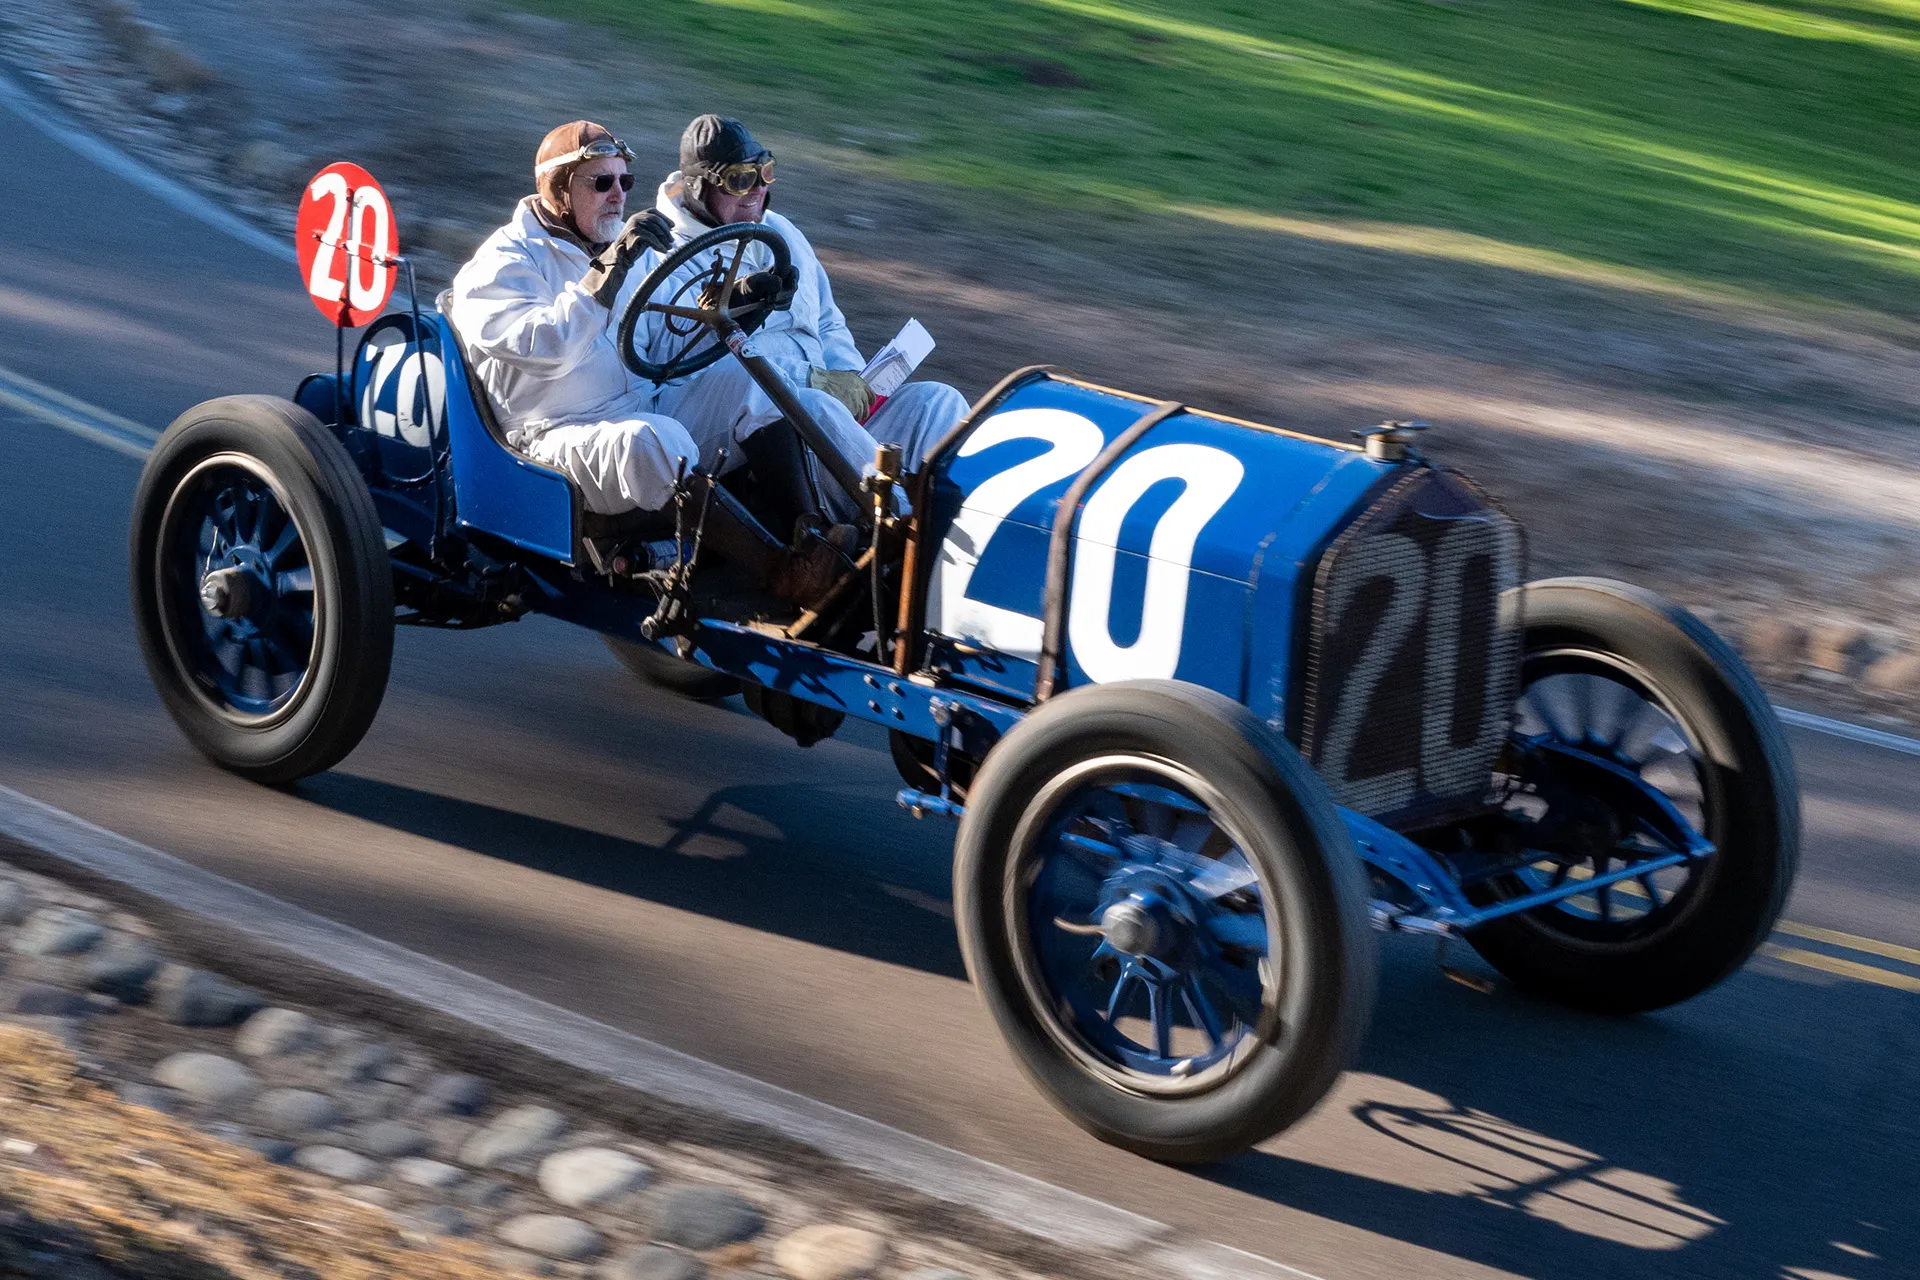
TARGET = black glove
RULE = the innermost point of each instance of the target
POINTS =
(761, 294)
(648, 230)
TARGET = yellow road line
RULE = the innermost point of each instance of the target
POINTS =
(1843, 968)
(1852, 942)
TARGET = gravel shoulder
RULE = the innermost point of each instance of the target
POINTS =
(195, 1091)
(1756, 461)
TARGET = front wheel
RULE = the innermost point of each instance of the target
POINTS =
(262, 592)
(1162, 910)
(1615, 672)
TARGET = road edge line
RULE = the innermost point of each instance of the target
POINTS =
(1851, 732)
(62, 128)
(1017, 1200)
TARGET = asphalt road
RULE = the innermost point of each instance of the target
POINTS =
(524, 810)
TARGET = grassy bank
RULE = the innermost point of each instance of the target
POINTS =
(1767, 146)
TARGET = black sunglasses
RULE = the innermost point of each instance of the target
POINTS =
(603, 183)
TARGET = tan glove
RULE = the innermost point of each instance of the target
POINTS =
(846, 386)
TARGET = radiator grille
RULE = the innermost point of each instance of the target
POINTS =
(1410, 676)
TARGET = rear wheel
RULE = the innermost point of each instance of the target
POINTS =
(664, 670)
(1161, 908)
(1616, 672)
(262, 592)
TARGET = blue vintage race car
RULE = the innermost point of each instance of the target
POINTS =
(1209, 699)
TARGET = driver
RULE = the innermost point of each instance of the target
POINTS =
(535, 307)
(726, 176)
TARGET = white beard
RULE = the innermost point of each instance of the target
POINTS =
(606, 228)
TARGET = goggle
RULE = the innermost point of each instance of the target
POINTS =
(598, 149)
(738, 179)
(603, 182)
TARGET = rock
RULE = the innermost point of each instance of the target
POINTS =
(361, 1060)
(705, 1217)
(273, 1033)
(208, 1078)
(149, 1096)
(588, 1175)
(447, 1134)
(16, 903)
(191, 998)
(369, 1195)
(399, 1072)
(1839, 647)
(121, 969)
(518, 1262)
(43, 1000)
(512, 1134)
(65, 1030)
(336, 1162)
(653, 1262)
(1775, 642)
(295, 1111)
(435, 1175)
(825, 1252)
(567, 1239)
(452, 1093)
(485, 1193)
(369, 1102)
(444, 1220)
(390, 1139)
(275, 1150)
(1896, 673)
(58, 931)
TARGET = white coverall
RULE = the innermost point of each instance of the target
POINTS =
(722, 402)
(546, 353)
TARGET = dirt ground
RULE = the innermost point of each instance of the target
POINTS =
(1751, 460)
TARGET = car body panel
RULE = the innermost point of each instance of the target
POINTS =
(1188, 550)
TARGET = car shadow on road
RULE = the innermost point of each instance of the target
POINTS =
(1765, 1130)
(773, 856)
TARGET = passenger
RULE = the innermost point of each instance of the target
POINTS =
(535, 307)
(726, 176)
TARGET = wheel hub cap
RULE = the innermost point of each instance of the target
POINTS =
(227, 593)
(1133, 927)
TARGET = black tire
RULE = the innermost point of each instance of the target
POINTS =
(665, 671)
(1749, 797)
(1281, 818)
(318, 719)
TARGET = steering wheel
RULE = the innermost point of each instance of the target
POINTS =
(697, 311)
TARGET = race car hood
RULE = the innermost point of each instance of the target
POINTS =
(1187, 551)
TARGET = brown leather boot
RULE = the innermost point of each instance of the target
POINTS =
(808, 572)
(797, 575)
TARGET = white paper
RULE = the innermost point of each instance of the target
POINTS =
(896, 361)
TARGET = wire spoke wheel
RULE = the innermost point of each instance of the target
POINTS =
(1591, 702)
(1142, 930)
(262, 589)
(239, 609)
(1163, 912)
(1615, 679)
